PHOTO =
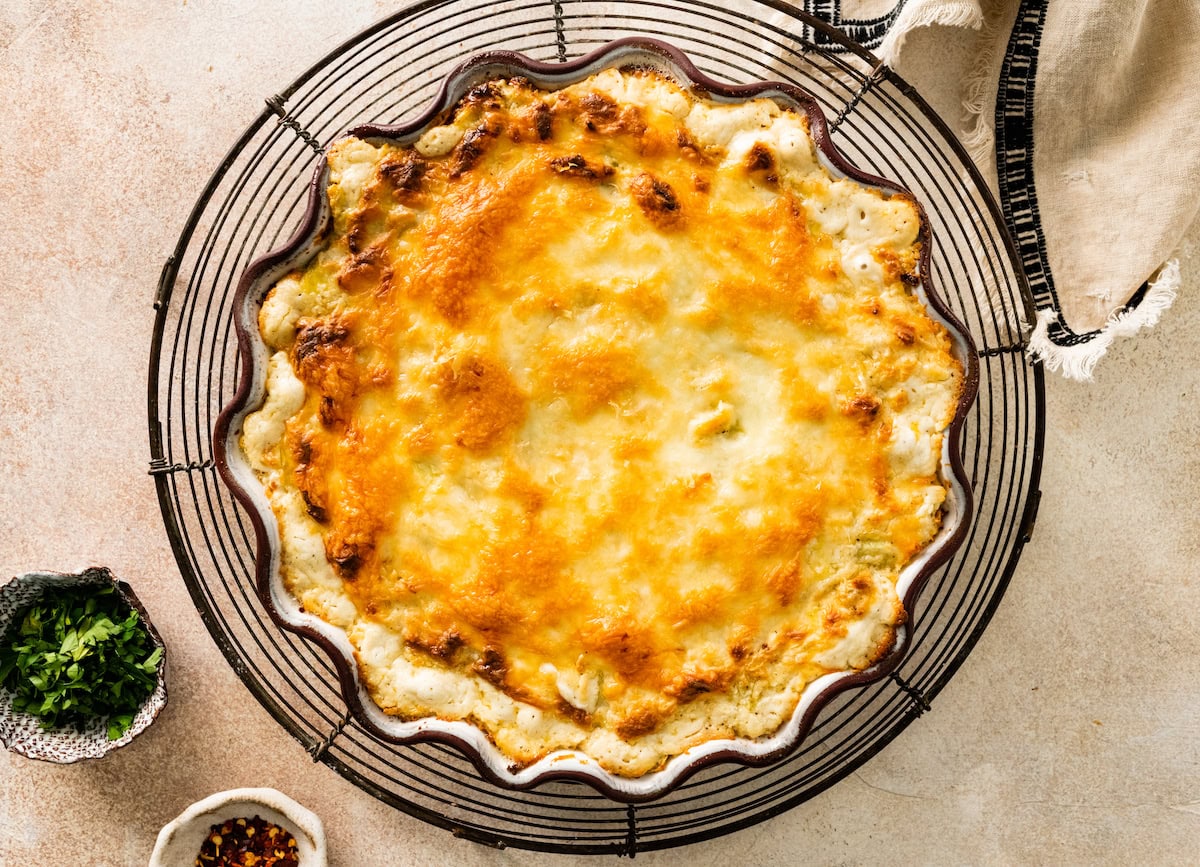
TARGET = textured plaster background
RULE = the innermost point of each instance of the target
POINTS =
(1071, 734)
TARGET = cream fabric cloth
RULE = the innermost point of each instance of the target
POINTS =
(1085, 116)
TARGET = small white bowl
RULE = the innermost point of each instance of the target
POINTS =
(21, 732)
(179, 841)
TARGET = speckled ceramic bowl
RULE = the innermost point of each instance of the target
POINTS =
(234, 469)
(180, 840)
(22, 733)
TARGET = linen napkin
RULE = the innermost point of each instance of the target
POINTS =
(1084, 116)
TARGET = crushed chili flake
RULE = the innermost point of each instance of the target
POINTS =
(253, 842)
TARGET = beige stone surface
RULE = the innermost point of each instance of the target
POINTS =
(1070, 736)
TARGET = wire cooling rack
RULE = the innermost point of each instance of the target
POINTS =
(386, 74)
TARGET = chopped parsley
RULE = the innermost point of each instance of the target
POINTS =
(77, 655)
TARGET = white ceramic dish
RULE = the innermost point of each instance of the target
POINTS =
(180, 840)
(262, 274)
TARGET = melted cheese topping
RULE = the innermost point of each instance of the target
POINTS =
(605, 420)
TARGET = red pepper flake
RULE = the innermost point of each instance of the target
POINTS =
(253, 842)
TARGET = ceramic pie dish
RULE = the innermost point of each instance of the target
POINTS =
(182, 839)
(473, 741)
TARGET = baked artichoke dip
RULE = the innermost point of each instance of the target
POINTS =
(605, 419)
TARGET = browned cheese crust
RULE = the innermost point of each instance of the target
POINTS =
(606, 419)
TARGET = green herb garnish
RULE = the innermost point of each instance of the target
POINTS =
(78, 655)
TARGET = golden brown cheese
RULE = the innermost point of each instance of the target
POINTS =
(606, 419)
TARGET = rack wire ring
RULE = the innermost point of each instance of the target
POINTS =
(388, 72)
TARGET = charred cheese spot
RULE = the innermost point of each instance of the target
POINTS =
(443, 646)
(760, 160)
(323, 357)
(469, 150)
(543, 121)
(346, 554)
(689, 149)
(598, 108)
(404, 173)
(862, 407)
(638, 723)
(656, 199)
(600, 113)
(491, 666)
(310, 477)
(577, 166)
(486, 94)
(367, 271)
(316, 341)
(691, 684)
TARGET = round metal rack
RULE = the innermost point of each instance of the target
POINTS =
(387, 73)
